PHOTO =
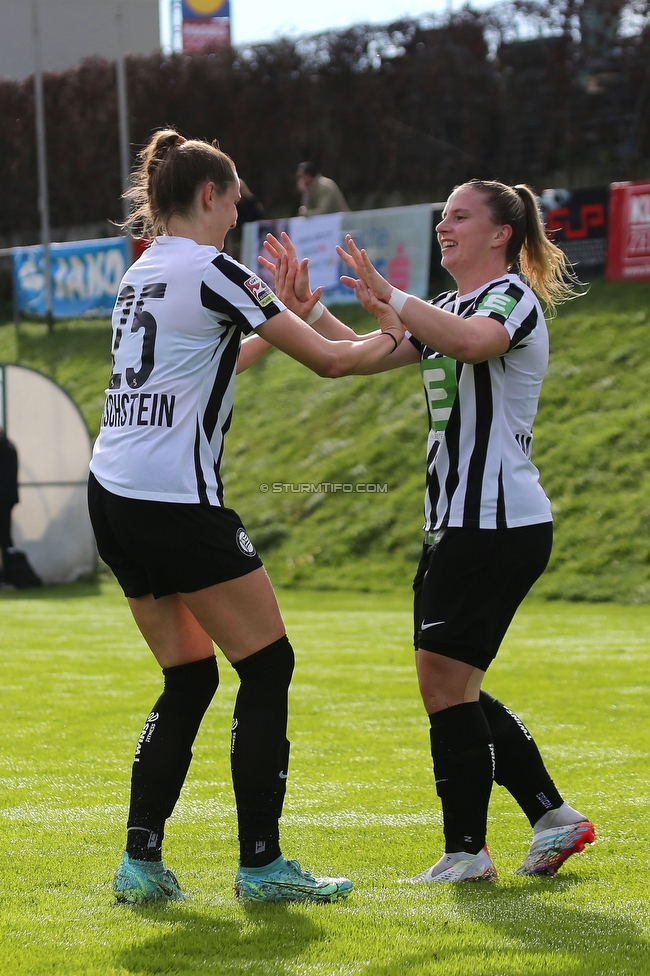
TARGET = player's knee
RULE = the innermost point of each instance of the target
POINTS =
(272, 665)
(194, 683)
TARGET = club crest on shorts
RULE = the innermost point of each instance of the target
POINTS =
(259, 290)
(244, 543)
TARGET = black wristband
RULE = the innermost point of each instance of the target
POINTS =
(393, 338)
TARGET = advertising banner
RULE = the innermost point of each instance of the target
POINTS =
(205, 9)
(397, 239)
(628, 250)
(85, 277)
(205, 23)
(577, 222)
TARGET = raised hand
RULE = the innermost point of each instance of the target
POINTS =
(290, 289)
(386, 316)
(275, 250)
(359, 262)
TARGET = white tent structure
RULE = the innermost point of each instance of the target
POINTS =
(50, 522)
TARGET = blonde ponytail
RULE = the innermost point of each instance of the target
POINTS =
(544, 265)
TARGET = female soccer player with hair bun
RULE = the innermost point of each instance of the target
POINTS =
(186, 565)
(483, 351)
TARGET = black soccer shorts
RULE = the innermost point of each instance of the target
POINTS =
(468, 587)
(166, 547)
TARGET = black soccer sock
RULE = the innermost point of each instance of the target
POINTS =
(164, 752)
(463, 764)
(259, 753)
(518, 764)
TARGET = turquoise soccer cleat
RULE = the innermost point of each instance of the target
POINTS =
(286, 881)
(137, 882)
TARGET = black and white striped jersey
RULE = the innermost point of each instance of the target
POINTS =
(177, 327)
(479, 468)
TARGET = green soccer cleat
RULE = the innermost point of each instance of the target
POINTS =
(283, 880)
(137, 882)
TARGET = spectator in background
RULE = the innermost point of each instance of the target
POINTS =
(320, 195)
(8, 493)
(249, 207)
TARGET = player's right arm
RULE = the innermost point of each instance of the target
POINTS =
(293, 289)
(332, 358)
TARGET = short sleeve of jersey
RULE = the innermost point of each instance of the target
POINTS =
(514, 306)
(232, 293)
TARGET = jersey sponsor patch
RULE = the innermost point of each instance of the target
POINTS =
(499, 303)
(259, 290)
(441, 387)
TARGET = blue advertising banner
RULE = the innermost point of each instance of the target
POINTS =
(85, 277)
(205, 9)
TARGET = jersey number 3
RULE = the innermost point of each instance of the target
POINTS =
(141, 321)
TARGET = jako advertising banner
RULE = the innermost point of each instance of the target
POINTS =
(85, 277)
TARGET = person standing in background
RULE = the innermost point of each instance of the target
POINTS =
(320, 195)
(8, 494)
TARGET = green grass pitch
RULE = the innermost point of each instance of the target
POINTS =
(77, 683)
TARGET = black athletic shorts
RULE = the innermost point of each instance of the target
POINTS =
(167, 547)
(469, 584)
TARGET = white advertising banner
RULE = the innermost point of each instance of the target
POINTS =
(316, 238)
(397, 239)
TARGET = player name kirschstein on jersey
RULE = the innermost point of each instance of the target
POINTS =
(479, 468)
(181, 311)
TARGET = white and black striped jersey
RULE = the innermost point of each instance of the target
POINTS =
(479, 468)
(177, 327)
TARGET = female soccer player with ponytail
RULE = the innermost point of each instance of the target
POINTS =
(483, 351)
(185, 563)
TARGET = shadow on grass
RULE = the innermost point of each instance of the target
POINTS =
(525, 927)
(265, 939)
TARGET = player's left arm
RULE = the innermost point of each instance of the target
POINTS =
(471, 340)
(253, 348)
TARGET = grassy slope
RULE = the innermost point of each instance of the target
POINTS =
(592, 447)
(361, 800)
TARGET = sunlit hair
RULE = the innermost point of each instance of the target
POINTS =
(170, 170)
(544, 265)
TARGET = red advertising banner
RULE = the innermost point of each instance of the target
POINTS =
(628, 245)
(199, 34)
